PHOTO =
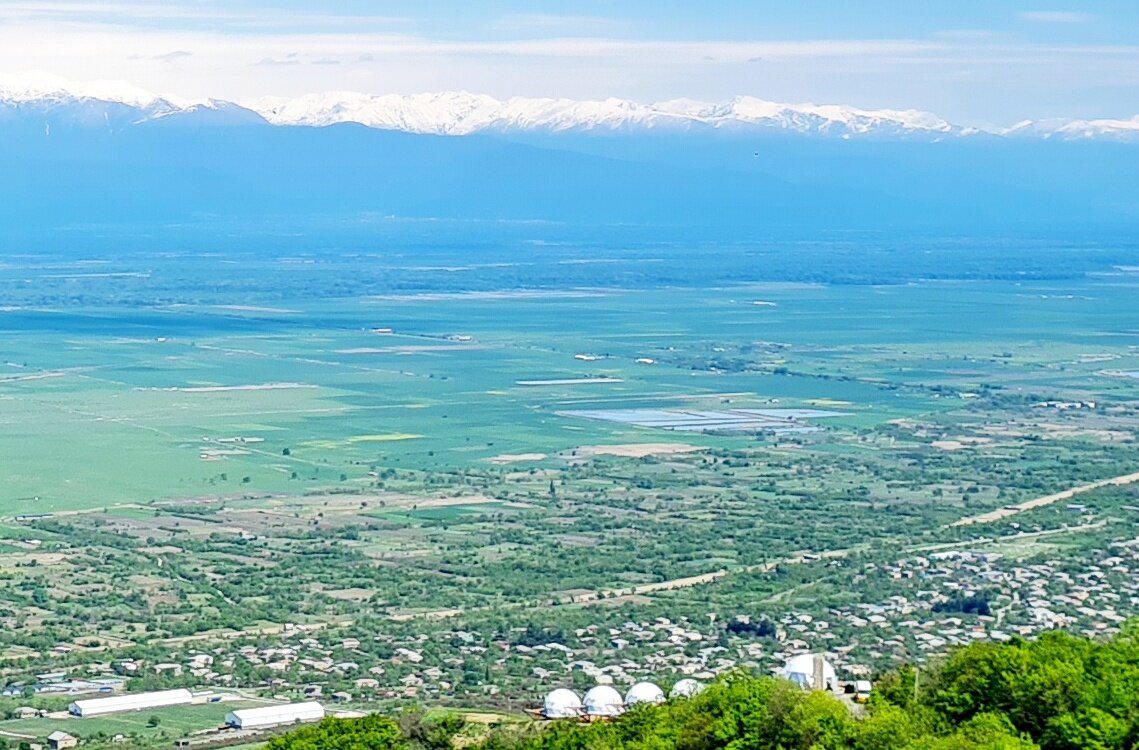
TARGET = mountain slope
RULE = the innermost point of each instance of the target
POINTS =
(151, 174)
(44, 102)
(114, 154)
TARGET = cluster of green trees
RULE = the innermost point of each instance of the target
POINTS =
(1060, 692)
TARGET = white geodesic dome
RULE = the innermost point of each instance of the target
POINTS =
(602, 700)
(685, 688)
(801, 670)
(561, 704)
(644, 692)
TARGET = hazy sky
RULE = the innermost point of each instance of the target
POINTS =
(973, 61)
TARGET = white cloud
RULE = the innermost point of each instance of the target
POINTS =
(1056, 16)
(168, 57)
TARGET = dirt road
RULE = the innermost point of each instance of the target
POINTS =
(1040, 502)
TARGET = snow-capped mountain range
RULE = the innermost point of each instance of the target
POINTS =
(460, 113)
(112, 103)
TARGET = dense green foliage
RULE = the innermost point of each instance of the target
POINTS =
(1060, 692)
(341, 734)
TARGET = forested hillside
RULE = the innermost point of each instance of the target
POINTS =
(1060, 692)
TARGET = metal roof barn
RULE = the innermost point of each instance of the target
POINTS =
(130, 702)
(274, 716)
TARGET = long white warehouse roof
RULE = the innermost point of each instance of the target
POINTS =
(130, 702)
(273, 716)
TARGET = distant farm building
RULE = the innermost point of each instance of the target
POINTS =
(275, 716)
(644, 692)
(61, 741)
(561, 704)
(130, 702)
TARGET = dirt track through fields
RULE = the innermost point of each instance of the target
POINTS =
(1040, 502)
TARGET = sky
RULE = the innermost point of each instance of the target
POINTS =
(975, 62)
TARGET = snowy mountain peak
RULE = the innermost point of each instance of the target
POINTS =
(39, 87)
(48, 99)
(461, 113)
(1106, 129)
(111, 104)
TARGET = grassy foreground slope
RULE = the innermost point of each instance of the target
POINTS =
(1060, 692)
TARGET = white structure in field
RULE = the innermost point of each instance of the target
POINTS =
(130, 702)
(603, 701)
(561, 704)
(274, 716)
(644, 692)
(685, 688)
(810, 671)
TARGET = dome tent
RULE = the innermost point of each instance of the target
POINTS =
(644, 692)
(561, 704)
(686, 688)
(801, 670)
(602, 700)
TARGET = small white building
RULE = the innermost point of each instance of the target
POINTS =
(130, 702)
(275, 716)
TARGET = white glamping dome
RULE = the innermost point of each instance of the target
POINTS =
(561, 704)
(801, 670)
(602, 700)
(644, 692)
(685, 688)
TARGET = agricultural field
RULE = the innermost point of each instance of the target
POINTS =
(464, 471)
(152, 728)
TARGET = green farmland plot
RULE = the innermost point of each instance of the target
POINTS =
(222, 402)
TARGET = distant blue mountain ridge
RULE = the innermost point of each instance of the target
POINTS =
(71, 161)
